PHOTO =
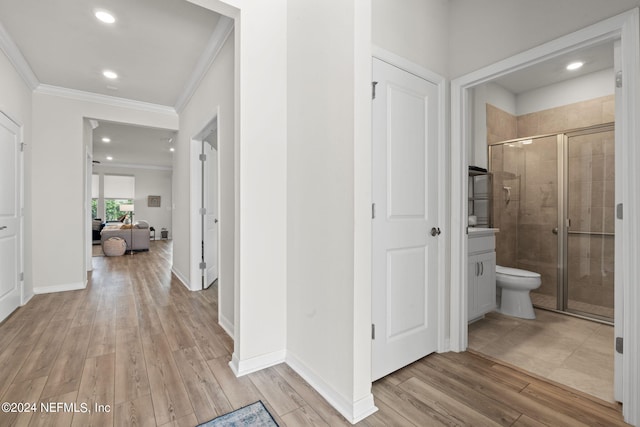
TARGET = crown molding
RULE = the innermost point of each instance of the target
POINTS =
(218, 38)
(113, 101)
(16, 58)
(132, 166)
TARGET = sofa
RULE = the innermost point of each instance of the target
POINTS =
(140, 233)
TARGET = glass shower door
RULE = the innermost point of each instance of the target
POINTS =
(590, 208)
(525, 176)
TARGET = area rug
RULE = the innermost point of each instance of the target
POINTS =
(251, 415)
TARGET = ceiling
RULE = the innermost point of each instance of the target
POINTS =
(595, 58)
(132, 145)
(158, 48)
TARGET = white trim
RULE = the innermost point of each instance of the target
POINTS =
(225, 324)
(181, 278)
(59, 288)
(114, 101)
(625, 26)
(443, 176)
(223, 29)
(16, 58)
(133, 166)
(254, 364)
(352, 411)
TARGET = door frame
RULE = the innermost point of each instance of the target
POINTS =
(196, 204)
(626, 27)
(24, 296)
(441, 163)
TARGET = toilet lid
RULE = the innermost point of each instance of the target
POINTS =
(515, 272)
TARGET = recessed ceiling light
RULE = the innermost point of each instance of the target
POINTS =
(109, 74)
(105, 16)
(105, 139)
(575, 65)
(109, 158)
(172, 149)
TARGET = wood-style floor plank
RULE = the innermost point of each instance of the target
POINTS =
(138, 342)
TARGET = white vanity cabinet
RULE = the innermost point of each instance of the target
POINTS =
(481, 270)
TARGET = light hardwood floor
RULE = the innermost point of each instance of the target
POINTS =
(138, 341)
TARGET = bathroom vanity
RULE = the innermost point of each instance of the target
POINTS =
(481, 272)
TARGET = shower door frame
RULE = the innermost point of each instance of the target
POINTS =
(563, 222)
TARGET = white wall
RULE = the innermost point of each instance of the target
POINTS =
(16, 102)
(328, 312)
(413, 29)
(489, 93)
(58, 163)
(149, 182)
(589, 86)
(484, 32)
(216, 90)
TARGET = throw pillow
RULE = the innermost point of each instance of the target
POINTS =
(142, 224)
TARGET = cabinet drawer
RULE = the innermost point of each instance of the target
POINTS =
(481, 244)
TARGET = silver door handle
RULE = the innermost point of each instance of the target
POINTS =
(435, 231)
(555, 230)
(2, 227)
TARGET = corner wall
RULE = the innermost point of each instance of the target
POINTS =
(328, 293)
(215, 93)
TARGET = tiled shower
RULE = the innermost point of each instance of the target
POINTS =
(553, 201)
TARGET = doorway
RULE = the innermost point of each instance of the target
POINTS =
(209, 206)
(624, 27)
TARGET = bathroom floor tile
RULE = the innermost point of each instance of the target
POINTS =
(565, 349)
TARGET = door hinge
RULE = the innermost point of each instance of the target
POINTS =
(203, 157)
(203, 211)
(619, 344)
(203, 265)
(619, 211)
(22, 144)
(21, 277)
(373, 90)
(619, 79)
(373, 331)
(373, 210)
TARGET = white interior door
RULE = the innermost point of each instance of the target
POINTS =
(618, 320)
(210, 217)
(405, 196)
(10, 217)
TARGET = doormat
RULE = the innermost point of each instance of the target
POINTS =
(251, 415)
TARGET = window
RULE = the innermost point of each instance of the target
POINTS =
(118, 190)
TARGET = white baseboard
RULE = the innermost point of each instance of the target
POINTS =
(181, 278)
(352, 411)
(59, 288)
(226, 325)
(247, 366)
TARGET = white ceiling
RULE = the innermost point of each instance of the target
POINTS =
(133, 145)
(595, 58)
(158, 48)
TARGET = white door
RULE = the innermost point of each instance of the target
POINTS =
(405, 196)
(210, 218)
(10, 217)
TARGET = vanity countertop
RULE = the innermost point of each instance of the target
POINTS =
(480, 231)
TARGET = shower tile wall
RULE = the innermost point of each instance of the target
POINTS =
(560, 119)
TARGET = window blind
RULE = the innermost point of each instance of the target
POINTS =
(119, 187)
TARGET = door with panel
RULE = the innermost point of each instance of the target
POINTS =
(405, 227)
(10, 217)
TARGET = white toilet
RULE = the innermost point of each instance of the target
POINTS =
(515, 285)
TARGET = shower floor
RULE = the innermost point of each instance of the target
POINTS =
(568, 350)
(550, 302)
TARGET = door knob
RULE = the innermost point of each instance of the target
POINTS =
(3, 227)
(555, 230)
(435, 231)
